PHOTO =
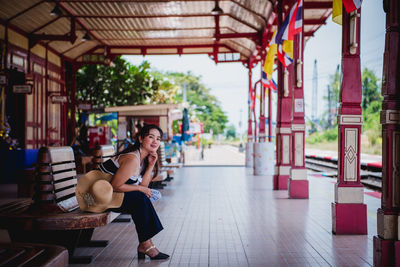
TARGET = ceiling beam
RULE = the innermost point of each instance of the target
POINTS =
(66, 9)
(250, 35)
(45, 25)
(90, 16)
(71, 36)
(321, 21)
(318, 5)
(25, 10)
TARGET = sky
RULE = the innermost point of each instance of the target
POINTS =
(229, 81)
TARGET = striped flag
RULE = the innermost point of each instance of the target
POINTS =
(351, 5)
(270, 58)
(272, 85)
(291, 26)
(337, 11)
(264, 79)
(296, 20)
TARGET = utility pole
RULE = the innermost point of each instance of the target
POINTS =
(314, 113)
(329, 107)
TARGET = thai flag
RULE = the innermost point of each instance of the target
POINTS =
(292, 24)
(296, 20)
(283, 57)
(264, 79)
(351, 5)
(272, 85)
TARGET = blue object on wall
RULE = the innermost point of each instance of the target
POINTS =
(13, 160)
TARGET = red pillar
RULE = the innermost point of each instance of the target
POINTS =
(349, 214)
(261, 132)
(298, 183)
(269, 115)
(283, 122)
(386, 244)
(250, 122)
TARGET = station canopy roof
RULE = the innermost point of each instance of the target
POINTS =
(74, 28)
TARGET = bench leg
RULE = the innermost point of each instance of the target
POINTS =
(121, 219)
(85, 239)
(68, 239)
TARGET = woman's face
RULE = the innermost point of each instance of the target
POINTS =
(152, 141)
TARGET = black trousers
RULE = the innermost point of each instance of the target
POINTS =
(139, 206)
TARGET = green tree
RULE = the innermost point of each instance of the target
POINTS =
(203, 105)
(370, 88)
(117, 85)
(230, 131)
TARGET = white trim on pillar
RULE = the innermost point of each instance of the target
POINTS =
(350, 195)
(298, 149)
(350, 119)
(298, 174)
(350, 154)
(282, 170)
(298, 127)
(285, 149)
(390, 116)
(283, 130)
(387, 225)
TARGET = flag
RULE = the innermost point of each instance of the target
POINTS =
(292, 25)
(296, 20)
(351, 5)
(270, 58)
(272, 85)
(264, 79)
(285, 53)
(337, 11)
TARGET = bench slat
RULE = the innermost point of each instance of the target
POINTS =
(61, 154)
(65, 166)
(65, 192)
(69, 204)
(63, 175)
(63, 184)
(107, 151)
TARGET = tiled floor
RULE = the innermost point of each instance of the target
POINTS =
(224, 216)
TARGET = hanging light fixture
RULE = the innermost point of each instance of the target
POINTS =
(56, 11)
(86, 37)
(216, 10)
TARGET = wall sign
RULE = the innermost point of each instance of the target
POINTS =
(3, 79)
(298, 105)
(59, 99)
(85, 106)
(22, 89)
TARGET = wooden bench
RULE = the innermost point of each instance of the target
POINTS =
(101, 154)
(28, 254)
(54, 216)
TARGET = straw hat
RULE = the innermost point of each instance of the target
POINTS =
(94, 192)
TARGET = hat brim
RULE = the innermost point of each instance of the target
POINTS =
(83, 187)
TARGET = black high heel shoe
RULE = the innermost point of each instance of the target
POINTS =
(159, 256)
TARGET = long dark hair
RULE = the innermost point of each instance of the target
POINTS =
(145, 131)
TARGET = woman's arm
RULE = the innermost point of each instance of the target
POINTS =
(148, 174)
(128, 166)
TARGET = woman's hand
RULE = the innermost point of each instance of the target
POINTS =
(146, 191)
(152, 158)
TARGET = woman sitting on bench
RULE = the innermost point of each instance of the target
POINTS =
(133, 170)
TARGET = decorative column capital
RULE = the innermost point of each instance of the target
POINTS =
(390, 116)
(349, 119)
(283, 130)
(298, 127)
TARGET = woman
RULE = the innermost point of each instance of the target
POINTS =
(133, 170)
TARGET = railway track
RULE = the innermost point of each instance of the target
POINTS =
(371, 173)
